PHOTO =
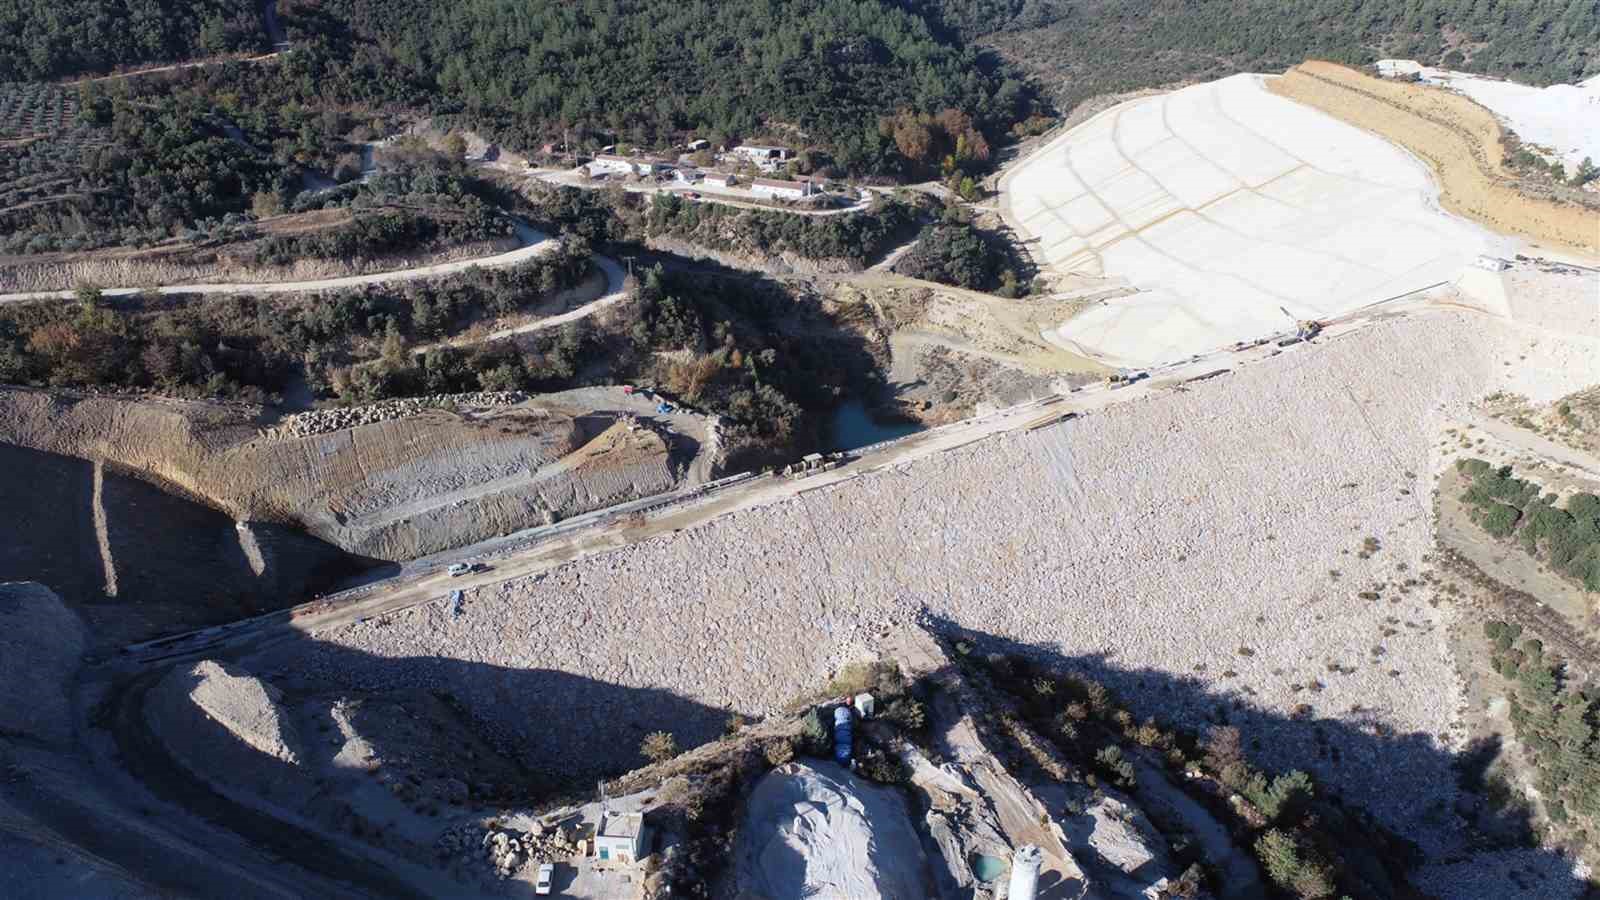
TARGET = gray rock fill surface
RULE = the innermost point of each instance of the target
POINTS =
(1147, 544)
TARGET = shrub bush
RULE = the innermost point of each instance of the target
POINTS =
(907, 713)
(778, 752)
(659, 746)
(1293, 867)
(1281, 798)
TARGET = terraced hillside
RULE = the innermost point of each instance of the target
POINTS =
(394, 489)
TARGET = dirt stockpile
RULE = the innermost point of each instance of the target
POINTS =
(226, 725)
(397, 488)
(1457, 137)
(1188, 532)
(41, 641)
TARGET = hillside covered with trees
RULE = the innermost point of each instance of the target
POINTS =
(648, 72)
(43, 39)
(1080, 48)
(904, 89)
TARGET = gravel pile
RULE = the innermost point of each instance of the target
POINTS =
(226, 725)
(1181, 548)
(41, 641)
(818, 831)
(323, 421)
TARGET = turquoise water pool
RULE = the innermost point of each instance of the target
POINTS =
(853, 427)
(987, 868)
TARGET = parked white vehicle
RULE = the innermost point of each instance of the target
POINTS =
(547, 872)
(458, 569)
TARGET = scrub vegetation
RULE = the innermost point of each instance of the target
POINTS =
(1554, 722)
(1565, 537)
(41, 39)
(616, 216)
(1309, 844)
(349, 345)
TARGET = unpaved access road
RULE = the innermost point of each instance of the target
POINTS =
(535, 244)
(615, 292)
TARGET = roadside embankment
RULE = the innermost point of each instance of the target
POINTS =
(1459, 139)
(142, 269)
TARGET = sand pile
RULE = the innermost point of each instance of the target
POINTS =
(821, 832)
(40, 645)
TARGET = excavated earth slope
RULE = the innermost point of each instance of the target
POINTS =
(1458, 138)
(131, 557)
(1189, 532)
(393, 490)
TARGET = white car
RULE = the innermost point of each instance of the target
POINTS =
(458, 569)
(541, 887)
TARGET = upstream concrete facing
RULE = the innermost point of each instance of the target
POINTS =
(1235, 212)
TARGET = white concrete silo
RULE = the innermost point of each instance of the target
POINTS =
(1024, 873)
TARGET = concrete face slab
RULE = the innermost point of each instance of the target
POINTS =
(1235, 212)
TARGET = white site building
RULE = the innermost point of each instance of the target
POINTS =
(608, 164)
(611, 164)
(782, 190)
(619, 839)
(766, 158)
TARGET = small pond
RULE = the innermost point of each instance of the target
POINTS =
(987, 868)
(854, 427)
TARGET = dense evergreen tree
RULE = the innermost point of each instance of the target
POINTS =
(50, 38)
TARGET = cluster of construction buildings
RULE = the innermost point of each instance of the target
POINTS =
(766, 159)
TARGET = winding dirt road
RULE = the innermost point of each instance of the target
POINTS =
(615, 292)
(535, 243)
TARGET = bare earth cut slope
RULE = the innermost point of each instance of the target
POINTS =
(396, 489)
(1461, 142)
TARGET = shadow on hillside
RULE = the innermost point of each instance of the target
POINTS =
(564, 730)
(1424, 795)
(148, 558)
(515, 738)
